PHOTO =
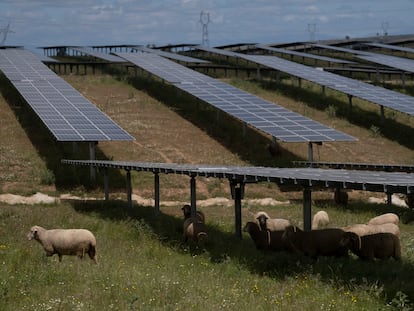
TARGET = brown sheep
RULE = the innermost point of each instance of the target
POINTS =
(379, 245)
(195, 229)
(321, 242)
(65, 241)
(187, 213)
(265, 240)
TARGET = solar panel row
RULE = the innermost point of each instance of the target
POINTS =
(317, 177)
(263, 115)
(391, 47)
(390, 61)
(181, 58)
(366, 91)
(300, 54)
(105, 56)
(66, 113)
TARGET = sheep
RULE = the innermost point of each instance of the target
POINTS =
(272, 224)
(321, 242)
(320, 219)
(265, 240)
(194, 229)
(187, 213)
(379, 245)
(65, 241)
(384, 218)
(363, 229)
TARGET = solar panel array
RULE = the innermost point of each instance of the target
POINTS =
(263, 115)
(105, 56)
(181, 58)
(301, 54)
(391, 182)
(366, 91)
(66, 113)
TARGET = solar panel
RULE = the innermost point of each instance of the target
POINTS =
(301, 54)
(390, 182)
(66, 113)
(213, 50)
(340, 49)
(105, 56)
(182, 58)
(390, 61)
(263, 115)
(391, 47)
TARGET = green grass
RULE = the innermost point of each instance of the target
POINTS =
(144, 265)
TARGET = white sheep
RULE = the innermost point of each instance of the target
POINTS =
(320, 219)
(363, 229)
(195, 229)
(65, 241)
(384, 218)
(272, 224)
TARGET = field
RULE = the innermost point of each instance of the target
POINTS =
(143, 264)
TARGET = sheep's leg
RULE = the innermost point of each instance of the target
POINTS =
(60, 257)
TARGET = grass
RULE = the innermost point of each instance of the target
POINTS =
(143, 263)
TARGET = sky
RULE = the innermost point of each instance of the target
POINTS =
(105, 22)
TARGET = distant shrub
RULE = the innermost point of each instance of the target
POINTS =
(47, 177)
(331, 111)
(375, 131)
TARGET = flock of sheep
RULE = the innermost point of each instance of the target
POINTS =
(379, 238)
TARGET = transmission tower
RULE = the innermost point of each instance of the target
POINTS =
(6, 30)
(204, 21)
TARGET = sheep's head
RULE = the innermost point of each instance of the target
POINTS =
(186, 211)
(250, 226)
(352, 240)
(32, 233)
(262, 221)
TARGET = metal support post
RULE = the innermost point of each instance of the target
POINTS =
(307, 209)
(106, 183)
(193, 196)
(157, 193)
(237, 193)
(129, 188)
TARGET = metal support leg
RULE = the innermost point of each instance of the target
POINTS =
(307, 209)
(389, 198)
(92, 157)
(310, 152)
(106, 184)
(129, 188)
(193, 196)
(237, 193)
(157, 193)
